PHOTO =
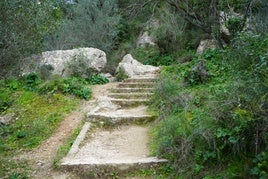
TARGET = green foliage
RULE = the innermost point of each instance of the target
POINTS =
(79, 67)
(213, 128)
(31, 81)
(152, 56)
(75, 86)
(88, 24)
(97, 80)
(121, 75)
(35, 119)
(147, 55)
(171, 31)
(45, 71)
(235, 25)
(260, 168)
(197, 75)
(23, 27)
(5, 100)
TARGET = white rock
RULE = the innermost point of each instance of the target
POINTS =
(206, 44)
(6, 120)
(59, 59)
(145, 39)
(132, 67)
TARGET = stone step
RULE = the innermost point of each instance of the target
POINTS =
(136, 85)
(130, 102)
(140, 80)
(131, 90)
(138, 114)
(130, 95)
(120, 150)
(124, 119)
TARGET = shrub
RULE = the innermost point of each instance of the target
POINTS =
(235, 25)
(45, 71)
(79, 67)
(197, 75)
(260, 168)
(148, 55)
(214, 128)
(24, 24)
(75, 86)
(121, 75)
(31, 81)
(97, 80)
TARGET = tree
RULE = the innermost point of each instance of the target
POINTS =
(203, 14)
(23, 24)
(206, 14)
(91, 23)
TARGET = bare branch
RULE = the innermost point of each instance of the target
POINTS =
(191, 17)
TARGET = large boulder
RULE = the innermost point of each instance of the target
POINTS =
(132, 67)
(59, 61)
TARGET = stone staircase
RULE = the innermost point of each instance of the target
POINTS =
(123, 146)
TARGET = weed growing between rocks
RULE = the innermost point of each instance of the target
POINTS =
(216, 127)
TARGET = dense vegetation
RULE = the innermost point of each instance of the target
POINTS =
(215, 124)
(212, 107)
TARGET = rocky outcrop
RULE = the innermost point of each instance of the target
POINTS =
(59, 60)
(132, 67)
(206, 44)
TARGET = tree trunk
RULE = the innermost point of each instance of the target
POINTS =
(216, 26)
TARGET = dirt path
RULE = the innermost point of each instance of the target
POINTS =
(41, 158)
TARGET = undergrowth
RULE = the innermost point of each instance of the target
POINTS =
(215, 127)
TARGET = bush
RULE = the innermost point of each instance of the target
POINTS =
(152, 56)
(215, 128)
(97, 80)
(260, 168)
(30, 81)
(235, 25)
(121, 75)
(79, 67)
(45, 71)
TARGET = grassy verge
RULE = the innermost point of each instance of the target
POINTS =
(34, 116)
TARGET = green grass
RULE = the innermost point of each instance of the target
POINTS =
(35, 118)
